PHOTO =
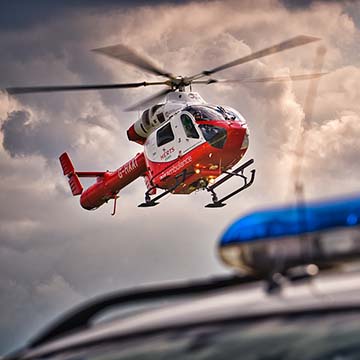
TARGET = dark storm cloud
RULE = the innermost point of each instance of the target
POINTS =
(23, 138)
(15, 130)
(17, 14)
(299, 4)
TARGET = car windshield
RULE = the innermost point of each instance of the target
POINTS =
(333, 335)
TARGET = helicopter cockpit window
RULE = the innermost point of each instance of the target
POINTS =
(164, 135)
(204, 113)
(189, 127)
(214, 135)
(232, 114)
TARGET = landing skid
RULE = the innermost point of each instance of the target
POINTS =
(153, 202)
(216, 203)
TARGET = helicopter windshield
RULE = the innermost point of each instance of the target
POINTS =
(205, 113)
(232, 114)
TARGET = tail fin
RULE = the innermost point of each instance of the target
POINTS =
(69, 171)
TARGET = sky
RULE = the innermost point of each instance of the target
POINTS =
(54, 254)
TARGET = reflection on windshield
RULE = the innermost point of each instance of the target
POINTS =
(204, 113)
(232, 114)
(201, 112)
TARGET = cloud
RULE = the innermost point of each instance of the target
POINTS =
(335, 142)
(53, 253)
(22, 136)
(31, 301)
(28, 15)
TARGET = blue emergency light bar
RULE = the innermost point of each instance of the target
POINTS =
(273, 240)
(294, 220)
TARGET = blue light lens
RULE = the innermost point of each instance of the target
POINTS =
(293, 220)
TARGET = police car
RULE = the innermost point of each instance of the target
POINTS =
(295, 295)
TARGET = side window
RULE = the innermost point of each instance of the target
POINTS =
(164, 135)
(189, 127)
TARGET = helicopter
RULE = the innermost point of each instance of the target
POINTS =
(188, 143)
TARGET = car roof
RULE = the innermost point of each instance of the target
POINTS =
(330, 292)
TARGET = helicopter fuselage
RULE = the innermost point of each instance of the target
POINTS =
(187, 145)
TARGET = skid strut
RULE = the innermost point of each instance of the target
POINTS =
(237, 172)
(180, 178)
(114, 208)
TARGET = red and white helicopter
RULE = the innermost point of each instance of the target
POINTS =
(187, 143)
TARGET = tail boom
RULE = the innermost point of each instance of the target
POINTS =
(108, 185)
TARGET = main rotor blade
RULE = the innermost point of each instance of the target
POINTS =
(125, 54)
(265, 79)
(288, 44)
(149, 101)
(44, 89)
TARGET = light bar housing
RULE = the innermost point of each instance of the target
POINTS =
(325, 233)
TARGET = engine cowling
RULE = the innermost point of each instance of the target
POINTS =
(150, 120)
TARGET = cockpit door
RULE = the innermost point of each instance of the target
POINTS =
(174, 139)
(189, 134)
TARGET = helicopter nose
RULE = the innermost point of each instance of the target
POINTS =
(238, 138)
